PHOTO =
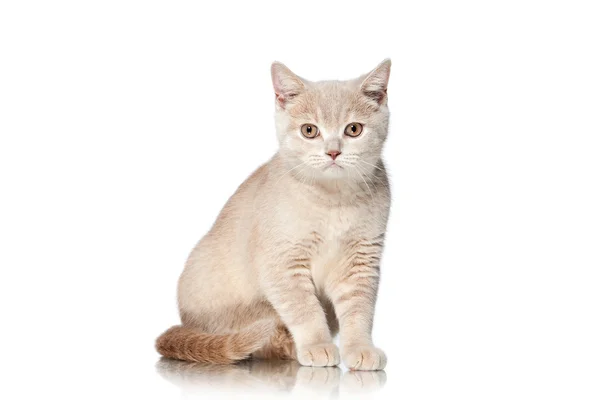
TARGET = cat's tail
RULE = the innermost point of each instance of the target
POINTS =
(190, 344)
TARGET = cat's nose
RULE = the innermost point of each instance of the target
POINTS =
(334, 153)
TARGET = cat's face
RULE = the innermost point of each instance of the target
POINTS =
(333, 129)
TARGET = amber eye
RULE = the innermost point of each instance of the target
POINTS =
(310, 131)
(354, 129)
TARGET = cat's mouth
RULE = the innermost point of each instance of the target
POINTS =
(333, 165)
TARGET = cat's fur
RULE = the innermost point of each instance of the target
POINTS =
(294, 255)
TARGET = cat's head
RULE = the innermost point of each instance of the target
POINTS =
(331, 129)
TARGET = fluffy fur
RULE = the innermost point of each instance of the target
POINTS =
(294, 255)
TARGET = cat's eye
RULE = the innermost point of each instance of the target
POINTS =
(354, 129)
(309, 130)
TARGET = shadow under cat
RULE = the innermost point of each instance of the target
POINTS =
(267, 376)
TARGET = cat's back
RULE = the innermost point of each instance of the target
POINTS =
(217, 263)
(237, 212)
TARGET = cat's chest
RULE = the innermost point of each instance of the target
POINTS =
(334, 229)
(336, 224)
(332, 225)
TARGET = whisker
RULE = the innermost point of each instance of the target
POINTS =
(370, 175)
(299, 165)
(368, 187)
(367, 175)
(374, 166)
(295, 175)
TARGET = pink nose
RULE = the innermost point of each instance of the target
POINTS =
(334, 153)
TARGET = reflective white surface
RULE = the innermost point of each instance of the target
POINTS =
(262, 378)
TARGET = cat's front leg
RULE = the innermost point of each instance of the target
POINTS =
(352, 288)
(289, 288)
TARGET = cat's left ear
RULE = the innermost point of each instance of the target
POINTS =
(286, 84)
(374, 85)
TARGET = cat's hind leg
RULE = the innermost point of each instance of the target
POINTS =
(280, 345)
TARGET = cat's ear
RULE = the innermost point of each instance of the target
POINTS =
(374, 84)
(286, 84)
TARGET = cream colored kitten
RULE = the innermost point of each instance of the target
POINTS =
(294, 256)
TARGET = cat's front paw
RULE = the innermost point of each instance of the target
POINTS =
(364, 358)
(319, 355)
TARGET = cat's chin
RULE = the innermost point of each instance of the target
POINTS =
(334, 171)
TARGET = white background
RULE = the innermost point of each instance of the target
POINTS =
(125, 126)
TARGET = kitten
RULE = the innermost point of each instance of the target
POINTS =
(294, 255)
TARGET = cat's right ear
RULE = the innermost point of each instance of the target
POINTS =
(286, 84)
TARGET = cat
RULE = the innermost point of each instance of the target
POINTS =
(293, 258)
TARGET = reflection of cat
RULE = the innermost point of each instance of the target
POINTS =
(273, 374)
(295, 251)
(266, 375)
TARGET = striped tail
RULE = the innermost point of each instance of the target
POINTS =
(190, 344)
